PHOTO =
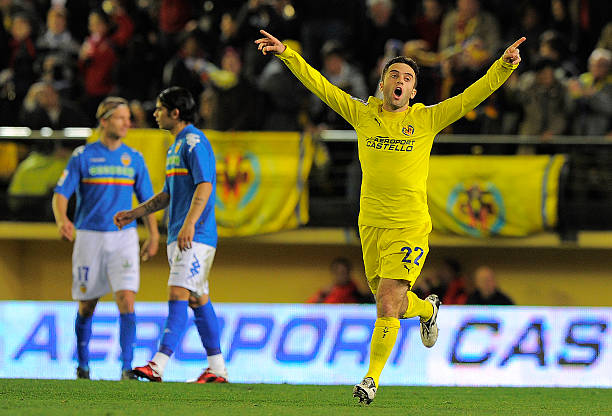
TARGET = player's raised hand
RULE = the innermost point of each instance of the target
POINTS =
(123, 218)
(66, 230)
(269, 44)
(512, 55)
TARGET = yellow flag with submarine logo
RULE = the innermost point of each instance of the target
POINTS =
(261, 181)
(483, 196)
(262, 177)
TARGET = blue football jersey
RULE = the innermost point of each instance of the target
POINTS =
(190, 161)
(104, 182)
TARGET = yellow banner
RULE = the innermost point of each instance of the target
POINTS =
(261, 181)
(261, 176)
(494, 195)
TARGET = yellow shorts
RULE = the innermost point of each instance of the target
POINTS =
(393, 253)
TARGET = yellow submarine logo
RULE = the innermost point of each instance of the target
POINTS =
(478, 208)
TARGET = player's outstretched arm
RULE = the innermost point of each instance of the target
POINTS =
(452, 109)
(269, 44)
(512, 55)
(339, 101)
(155, 203)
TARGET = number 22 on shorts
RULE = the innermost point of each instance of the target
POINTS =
(409, 251)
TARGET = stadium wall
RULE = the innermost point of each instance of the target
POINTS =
(277, 272)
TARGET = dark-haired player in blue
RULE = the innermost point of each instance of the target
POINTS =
(189, 192)
(104, 176)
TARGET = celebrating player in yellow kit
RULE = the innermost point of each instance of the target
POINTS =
(394, 142)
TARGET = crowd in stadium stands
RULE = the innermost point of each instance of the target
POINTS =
(447, 281)
(60, 58)
(343, 288)
(454, 288)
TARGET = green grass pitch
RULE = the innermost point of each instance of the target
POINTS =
(88, 398)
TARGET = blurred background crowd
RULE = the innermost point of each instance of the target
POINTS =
(60, 58)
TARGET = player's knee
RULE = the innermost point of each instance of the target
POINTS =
(197, 301)
(86, 309)
(125, 301)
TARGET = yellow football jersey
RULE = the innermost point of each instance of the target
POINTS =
(394, 147)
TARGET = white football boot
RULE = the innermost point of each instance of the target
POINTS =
(365, 391)
(429, 328)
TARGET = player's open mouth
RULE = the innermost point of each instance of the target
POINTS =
(397, 92)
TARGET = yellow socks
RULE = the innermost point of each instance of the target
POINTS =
(418, 307)
(383, 340)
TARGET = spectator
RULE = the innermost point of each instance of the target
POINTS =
(336, 22)
(544, 101)
(43, 107)
(141, 51)
(20, 73)
(286, 98)
(240, 25)
(342, 74)
(457, 289)
(605, 40)
(553, 46)
(468, 27)
(173, 16)
(383, 22)
(58, 52)
(423, 49)
(122, 23)
(207, 109)
(235, 95)
(591, 96)
(447, 281)
(486, 290)
(561, 22)
(139, 115)
(97, 59)
(469, 38)
(427, 25)
(31, 187)
(530, 25)
(187, 66)
(343, 289)
(57, 39)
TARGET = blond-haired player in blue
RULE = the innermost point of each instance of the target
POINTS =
(104, 175)
(394, 142)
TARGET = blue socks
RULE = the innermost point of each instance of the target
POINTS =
(127, 334)
(208, 328)
(175, 326)
(82, 328)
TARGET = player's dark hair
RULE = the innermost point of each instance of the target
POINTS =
(182, 100)
(402, 60)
